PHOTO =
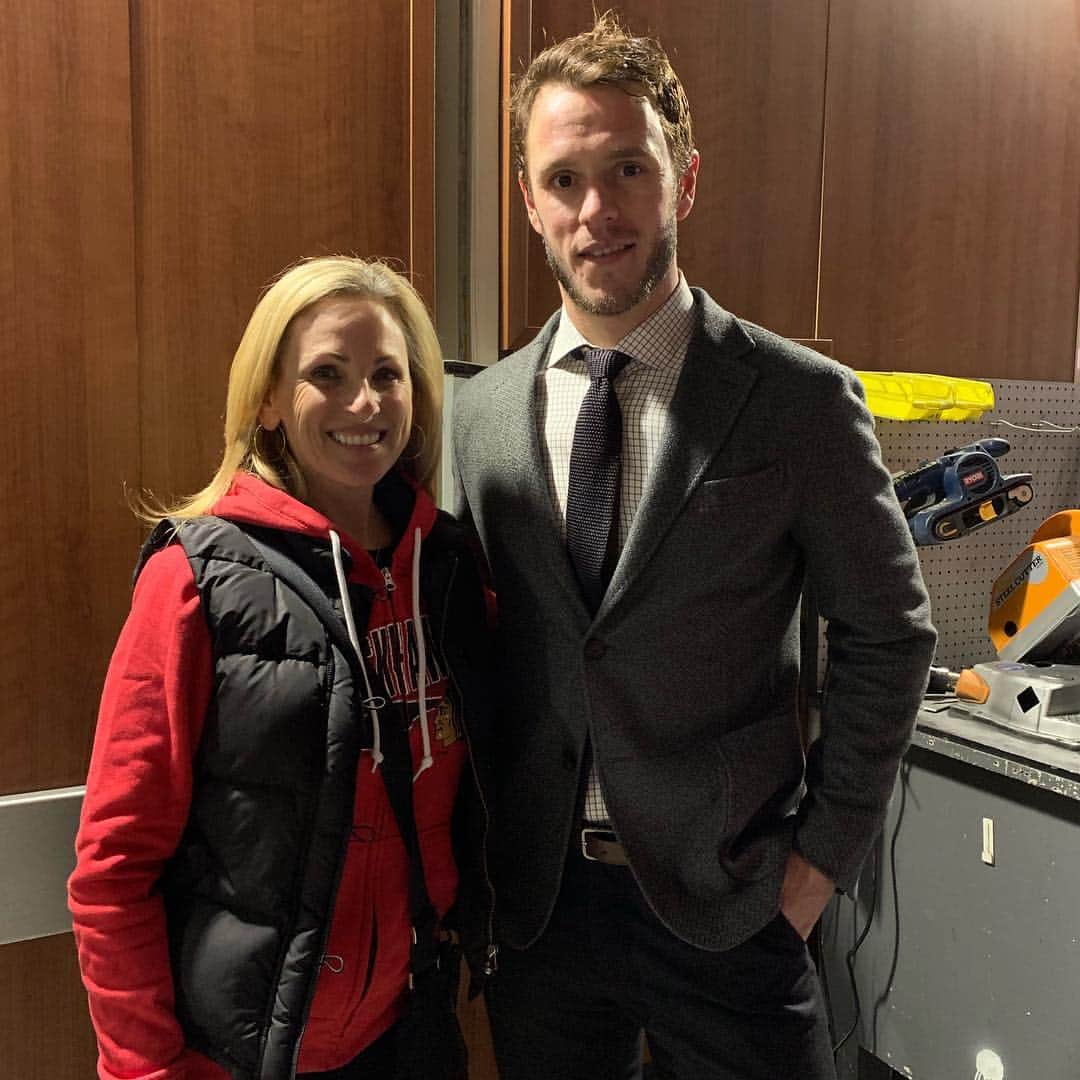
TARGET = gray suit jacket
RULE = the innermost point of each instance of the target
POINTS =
(686, 679)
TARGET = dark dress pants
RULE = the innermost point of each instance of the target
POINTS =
(574, 1005)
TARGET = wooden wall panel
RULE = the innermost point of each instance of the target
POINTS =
(519, 245)
(264, 132)
(44, 1025)
(69, 441)
(754, 71)
(951, 220)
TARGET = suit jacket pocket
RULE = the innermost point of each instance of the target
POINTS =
(746, 490)
(764, 767)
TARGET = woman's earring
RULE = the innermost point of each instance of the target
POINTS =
(280, 429)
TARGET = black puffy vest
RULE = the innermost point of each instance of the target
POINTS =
(250, 891)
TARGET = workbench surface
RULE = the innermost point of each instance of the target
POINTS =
(988, 746)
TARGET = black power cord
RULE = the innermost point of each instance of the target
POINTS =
(849, 957)
(905, 772)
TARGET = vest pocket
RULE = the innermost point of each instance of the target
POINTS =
(373, 951)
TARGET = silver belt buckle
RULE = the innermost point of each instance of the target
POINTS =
(597, 836)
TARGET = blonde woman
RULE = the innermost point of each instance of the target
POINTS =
(241, 898)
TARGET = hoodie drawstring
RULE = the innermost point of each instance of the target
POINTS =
(421, 658)
(371, 703)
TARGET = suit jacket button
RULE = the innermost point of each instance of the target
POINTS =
(594, 649)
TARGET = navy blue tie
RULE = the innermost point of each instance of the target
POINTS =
(594, 474)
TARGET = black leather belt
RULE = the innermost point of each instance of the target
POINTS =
(602, 845)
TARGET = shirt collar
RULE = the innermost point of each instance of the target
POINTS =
(650, 342)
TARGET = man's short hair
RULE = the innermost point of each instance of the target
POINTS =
(607, 55)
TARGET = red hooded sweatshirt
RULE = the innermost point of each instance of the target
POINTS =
(138, 794)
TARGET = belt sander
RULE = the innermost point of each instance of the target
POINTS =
(959, 492)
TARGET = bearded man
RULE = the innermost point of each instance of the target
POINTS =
(652, 480)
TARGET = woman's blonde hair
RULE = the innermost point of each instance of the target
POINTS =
(257, 362)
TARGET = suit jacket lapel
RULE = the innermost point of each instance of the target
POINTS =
(710, 394)
(515, 432)
(517, 442)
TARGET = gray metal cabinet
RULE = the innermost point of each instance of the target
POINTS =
(964, 954)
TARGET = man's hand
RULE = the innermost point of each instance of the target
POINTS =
(804, 894)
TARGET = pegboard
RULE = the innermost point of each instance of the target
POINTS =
(960, 573)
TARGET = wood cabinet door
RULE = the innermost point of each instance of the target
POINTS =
(950, 237)
(264, 132)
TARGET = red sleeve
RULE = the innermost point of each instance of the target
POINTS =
(138, 793)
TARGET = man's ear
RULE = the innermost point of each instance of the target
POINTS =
(687, 187)
(530, 206)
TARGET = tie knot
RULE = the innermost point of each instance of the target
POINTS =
(604, 363)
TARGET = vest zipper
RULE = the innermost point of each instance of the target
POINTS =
(324, 939)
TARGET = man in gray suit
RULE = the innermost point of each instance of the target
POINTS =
(662, 845)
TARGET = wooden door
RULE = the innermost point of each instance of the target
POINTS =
(69, 443)
(159, 161)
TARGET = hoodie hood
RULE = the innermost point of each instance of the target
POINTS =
(405, 504)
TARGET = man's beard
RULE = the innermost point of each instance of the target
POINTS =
(623, 300)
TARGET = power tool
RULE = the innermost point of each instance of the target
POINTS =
(1035, 602)
(1040, 700)
(1034, 686)
(959, 492)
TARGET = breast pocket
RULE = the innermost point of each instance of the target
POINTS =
(749, 492)
(735, 531)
